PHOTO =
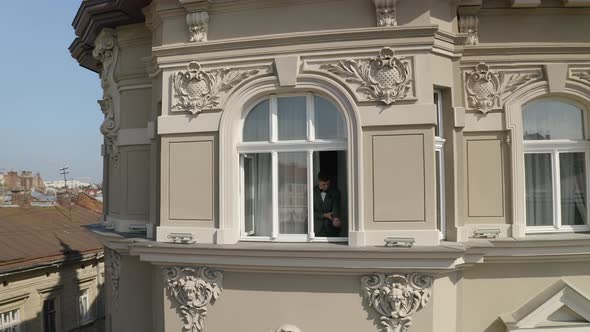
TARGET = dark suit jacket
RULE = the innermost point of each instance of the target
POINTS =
(323, 226)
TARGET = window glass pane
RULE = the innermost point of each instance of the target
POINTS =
(545, 120)
(572, 173)
(257, 194)
(438, 129)
(291, 114)
(49, 316)
(329, 194)
(293, 193)
(539, 189)
(256, 125)
(329, 123)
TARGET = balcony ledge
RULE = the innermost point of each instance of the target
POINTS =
(337, 258)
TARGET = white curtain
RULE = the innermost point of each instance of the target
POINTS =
(545, 120)
(292, 117)
(539, 189)
(573, 188)
(293, 193)
(257, 194)
(257, 123)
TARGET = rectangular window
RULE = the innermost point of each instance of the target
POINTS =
(10, 321)
(439, 148)
(556, 190)
(84, 308)
(49, 316)
(294, 184)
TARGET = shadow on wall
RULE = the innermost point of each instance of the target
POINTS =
(69, 305)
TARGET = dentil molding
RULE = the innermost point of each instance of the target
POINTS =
(396, 297)
(193, 289)
(196, 90)
(198, 26)
(485, 89)
(386, 78)
(113, 267)
(106, 51)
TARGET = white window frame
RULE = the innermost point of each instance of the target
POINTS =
(554, 148)
(85, 316)
(439, 147)
(10, 321)
(310, 145)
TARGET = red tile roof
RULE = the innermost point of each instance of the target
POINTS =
(31, 236)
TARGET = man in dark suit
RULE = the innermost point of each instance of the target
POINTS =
(326, 208)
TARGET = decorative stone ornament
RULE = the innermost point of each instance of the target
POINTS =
(288, 328)
(386, 12)
(485, 88)
(396, 297)
(193, 289)
(582, 75)
(196, 90)
(386, 78)
(468, 22)
(198, 26)
(106, 51)
(113, 267)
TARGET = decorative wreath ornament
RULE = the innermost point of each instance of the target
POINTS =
(484, 88)
(197, 90)
(385, 78)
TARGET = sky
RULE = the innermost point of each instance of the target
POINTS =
(49, 116)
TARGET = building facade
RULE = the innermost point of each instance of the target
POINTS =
(51, 270)
(452, 135)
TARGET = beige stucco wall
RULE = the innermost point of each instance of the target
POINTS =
(490, 290)
(265, 301)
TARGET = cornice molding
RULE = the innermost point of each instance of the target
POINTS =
(342, 259)
(407, 38)
(95, 15)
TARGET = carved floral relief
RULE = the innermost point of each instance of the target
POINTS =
(106, 51)
(198, 26)
(113, 267)
(196, 90)
(396, 297)
(193, 289)
(581, 75)
(386, 78)
(486, 88)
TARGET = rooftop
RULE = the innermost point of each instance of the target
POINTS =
(35, 236)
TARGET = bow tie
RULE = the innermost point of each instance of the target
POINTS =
(323, 191)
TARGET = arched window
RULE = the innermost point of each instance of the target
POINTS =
(293, 170)
(556, 161)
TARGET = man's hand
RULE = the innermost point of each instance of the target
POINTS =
(328, 215)
(336, 222)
